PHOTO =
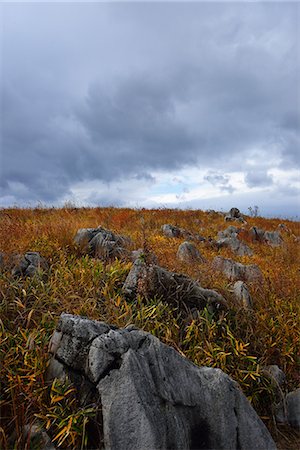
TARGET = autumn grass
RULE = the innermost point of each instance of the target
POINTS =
(239, 342)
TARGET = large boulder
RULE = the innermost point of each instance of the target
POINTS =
(150, 280)
(150, 396)
(101, 243)
(236, 271)
(29, 264)
(187, 252)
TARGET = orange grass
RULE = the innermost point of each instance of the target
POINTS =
(239, 343)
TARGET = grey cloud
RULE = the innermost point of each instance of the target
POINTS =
(220, 180)
(258, 178)
(119, 91)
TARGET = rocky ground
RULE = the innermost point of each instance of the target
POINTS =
(129, 301)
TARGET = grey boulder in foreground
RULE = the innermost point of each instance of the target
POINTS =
(150, 396)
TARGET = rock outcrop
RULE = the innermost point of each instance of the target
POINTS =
(229, 238)
(172, 231)
(149, 395)
(234, 215)
(235, 271)
(272, 238)
(149, 281)
(188, 253)
(242, 295)
(30, 264)
(143, 255)
(102, 244)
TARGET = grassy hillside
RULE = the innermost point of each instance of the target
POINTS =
(237, 341)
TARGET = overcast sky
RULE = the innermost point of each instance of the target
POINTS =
(151, 104)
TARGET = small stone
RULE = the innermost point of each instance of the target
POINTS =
(242, 295)
(293, 408)
(188, 253)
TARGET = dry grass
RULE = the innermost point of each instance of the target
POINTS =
(237, 342)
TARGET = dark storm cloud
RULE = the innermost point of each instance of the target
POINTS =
(104, 92)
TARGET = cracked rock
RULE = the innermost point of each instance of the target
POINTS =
(32, 263)
(236, 271)
(234, 214)
(242, 294)
(153, 398)
(272, 238)
(101, 243)
(151, 281)
(188, 253)
(175, 232)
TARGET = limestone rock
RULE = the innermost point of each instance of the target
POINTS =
(287, 411)
(151, 281)
(30, 264)
(172, 231)
(188, 253)
(34, 437)
(234, 214)
(153, 398)
(236, 271)
(242, 294)
(236, 246)
(149, 257)
(101, 243)
(293, 408)
(272, 238)
(275, 374)
(257, 234)
(230, 231)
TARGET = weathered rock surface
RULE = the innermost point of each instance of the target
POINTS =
(188, 253)
(149, 257)
(150, 396)
(293, 408)
(37, 438)
(150, 281)
(101, 243)
(175, 232)
(234, 214)
(236, 271)
(230, 231)
(275, 374)
(30, 264)
(242, 295)
(272, 238)
(235, 245)
(287, 411)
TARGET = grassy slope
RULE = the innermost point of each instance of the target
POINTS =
(237, 342)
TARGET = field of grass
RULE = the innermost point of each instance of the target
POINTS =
(239, 342)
